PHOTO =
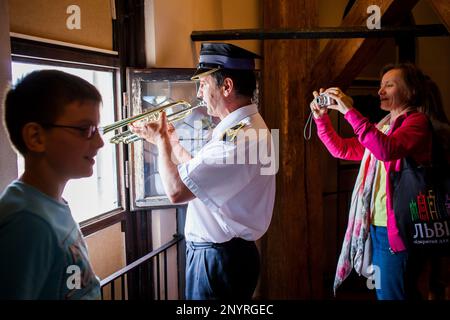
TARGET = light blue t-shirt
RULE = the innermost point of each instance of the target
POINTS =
(42, 251)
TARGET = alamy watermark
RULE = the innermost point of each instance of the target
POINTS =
(74, 280)
(73, 21)
(242, 147)
(374, 278)
(374, 20)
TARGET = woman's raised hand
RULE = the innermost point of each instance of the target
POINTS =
(317, 111)
(343, 103)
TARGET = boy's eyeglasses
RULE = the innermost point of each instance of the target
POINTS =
(86, 131)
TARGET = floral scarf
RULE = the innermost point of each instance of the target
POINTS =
(356, 248)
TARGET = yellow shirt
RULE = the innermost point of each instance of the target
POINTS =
(379, 216)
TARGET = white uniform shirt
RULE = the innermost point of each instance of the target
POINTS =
(233, 198)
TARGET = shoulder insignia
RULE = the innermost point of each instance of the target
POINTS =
(231, 133)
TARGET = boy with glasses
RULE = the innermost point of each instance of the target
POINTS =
(51, 118)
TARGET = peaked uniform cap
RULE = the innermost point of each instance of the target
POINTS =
(215, 56)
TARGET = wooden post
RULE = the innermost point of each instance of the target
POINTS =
(292, 248)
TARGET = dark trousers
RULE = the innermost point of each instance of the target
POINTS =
(223, 271)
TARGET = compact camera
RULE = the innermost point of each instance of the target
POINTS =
(323, 100)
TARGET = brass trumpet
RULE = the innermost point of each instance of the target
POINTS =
(148, 116)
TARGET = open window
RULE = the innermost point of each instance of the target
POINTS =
(97, 201)
(99, 194)
(150, 89)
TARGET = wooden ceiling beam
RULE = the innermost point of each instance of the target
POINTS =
(431, 30)
(442, 9)
(342, 60)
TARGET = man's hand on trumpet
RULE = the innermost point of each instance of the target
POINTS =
(155, 131)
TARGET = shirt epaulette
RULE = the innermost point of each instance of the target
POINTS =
(231, 133)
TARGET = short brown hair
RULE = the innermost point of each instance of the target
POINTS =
(423, 92)
(41, 97)
(244, 80)
(414, 80)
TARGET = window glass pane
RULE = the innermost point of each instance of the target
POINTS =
(87, 197)
(155, 94)
(151, 90)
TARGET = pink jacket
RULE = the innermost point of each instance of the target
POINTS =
(410, 135)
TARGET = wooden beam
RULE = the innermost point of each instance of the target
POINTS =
(442, 9)
(292, 263)
(432, 30)
(22, 48)
(342, 60)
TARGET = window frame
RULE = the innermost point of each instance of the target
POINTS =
(135, 77)
(28, 51)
